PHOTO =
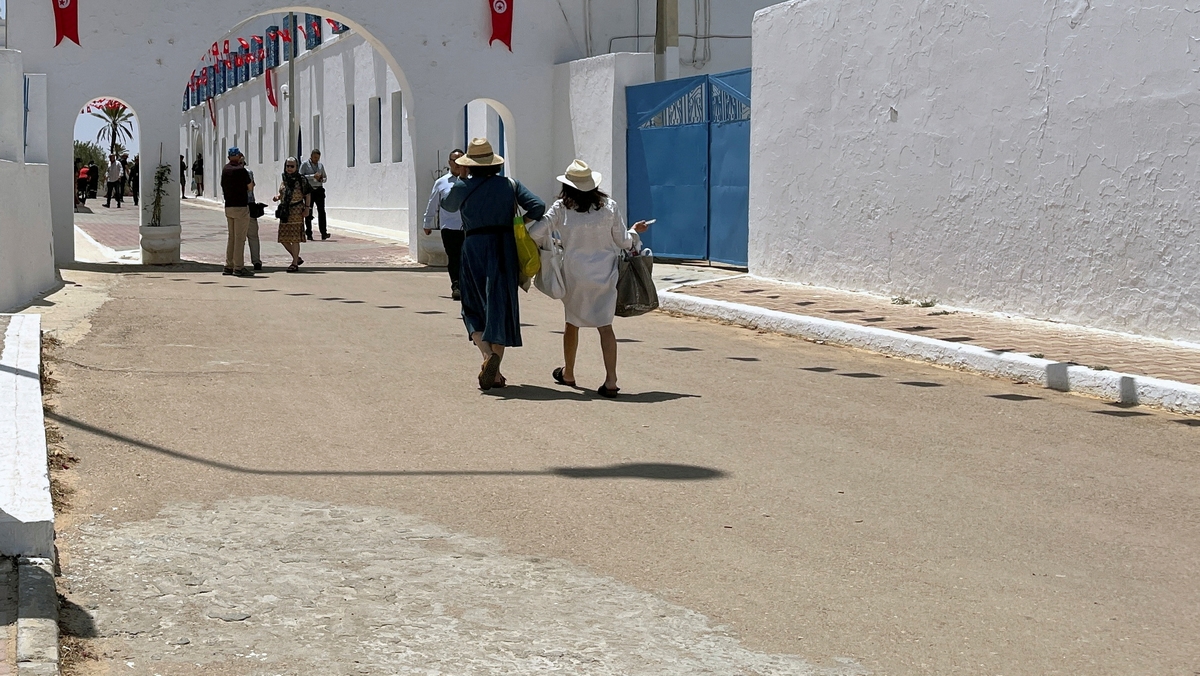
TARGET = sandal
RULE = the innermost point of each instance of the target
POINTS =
(558, 377)
(293, 268)
(501, 381)
(487, 373)
(605, 392)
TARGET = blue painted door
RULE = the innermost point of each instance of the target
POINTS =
(667, 148)
(729, 167)
(688, 154)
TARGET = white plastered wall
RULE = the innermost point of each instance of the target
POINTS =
(590, 117)
(26, 248)
(346, 70)
(1008, 155)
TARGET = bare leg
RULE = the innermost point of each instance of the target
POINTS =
(570, 347)
(485, 348)
(608, 347)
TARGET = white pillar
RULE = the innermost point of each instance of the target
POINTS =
(159, 126)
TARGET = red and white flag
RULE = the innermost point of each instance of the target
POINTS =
(271, 90)
(66, 21)
(502, 21)
(226, 46)
(243, 43)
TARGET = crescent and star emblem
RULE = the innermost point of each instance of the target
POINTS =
(64, 4)
(500, 6)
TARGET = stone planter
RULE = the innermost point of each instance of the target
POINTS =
(160, 245)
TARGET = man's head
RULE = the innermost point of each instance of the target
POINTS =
(455, 168)
(315, 156)
(235, 156)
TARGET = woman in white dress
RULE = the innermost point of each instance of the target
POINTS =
(592, 231)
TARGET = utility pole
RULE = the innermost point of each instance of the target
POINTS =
(666, 41)
(291, 28)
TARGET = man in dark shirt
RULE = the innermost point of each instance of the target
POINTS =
(182, 178)
(236, 186)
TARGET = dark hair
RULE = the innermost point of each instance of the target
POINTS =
(583, 202)
(485, 172)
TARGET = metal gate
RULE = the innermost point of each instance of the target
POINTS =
(688, 153)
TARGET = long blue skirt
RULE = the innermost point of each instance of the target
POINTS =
(490, 279)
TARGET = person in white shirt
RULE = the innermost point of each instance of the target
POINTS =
(116, 171)
(437, 218)
(314, 171)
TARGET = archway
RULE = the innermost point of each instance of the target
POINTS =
(107, 173)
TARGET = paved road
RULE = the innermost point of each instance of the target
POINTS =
(295, 474)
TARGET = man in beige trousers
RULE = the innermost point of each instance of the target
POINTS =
(236, 185)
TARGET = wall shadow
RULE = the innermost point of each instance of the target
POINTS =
(651, 471)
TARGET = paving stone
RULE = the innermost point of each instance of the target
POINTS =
(1059, 342)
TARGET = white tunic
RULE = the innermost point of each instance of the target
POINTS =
(591, 243)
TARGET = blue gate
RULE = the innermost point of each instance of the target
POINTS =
(688, 153)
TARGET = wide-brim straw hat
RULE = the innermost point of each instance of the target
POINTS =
(581, 177)
(480, 154)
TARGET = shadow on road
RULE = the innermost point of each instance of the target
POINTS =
(539, 393)
(652, 471)
(193, 266)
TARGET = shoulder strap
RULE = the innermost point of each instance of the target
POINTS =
(516, 207)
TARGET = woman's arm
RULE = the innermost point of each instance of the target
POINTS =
(454, 199)
(533, 205)
(543, 231)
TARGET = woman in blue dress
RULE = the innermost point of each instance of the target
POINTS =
(490, 272)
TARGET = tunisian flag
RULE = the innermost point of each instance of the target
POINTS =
(66, 21)
(502, 13)
(271, 90)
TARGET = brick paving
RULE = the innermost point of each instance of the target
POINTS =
(203, 239)
(1059, 342)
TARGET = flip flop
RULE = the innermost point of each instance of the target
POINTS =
(487, 374)
(605, 392)
(558, 377)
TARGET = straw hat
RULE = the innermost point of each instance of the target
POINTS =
(581, 177)
(480, 154)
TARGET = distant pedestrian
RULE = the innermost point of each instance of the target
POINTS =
(135, 176)
(295, 192)
(490, 267)
(113, 177)
(450, 224)
(592, 230)
(252, 231)
(93, 179)
(198, 173)
(123, 158)
(236, 186)
(81, 184)
(314, 171)
(182, 178)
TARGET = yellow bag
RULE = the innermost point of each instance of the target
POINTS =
(528, 254)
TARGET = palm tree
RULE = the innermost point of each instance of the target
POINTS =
(118, 123)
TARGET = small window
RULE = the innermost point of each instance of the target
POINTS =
(275, 140)
(375, 144)
(397, 126)
(261, 136)
(350, 135)
(246, 147)
(316, 132)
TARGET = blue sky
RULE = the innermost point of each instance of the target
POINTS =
(86, 128)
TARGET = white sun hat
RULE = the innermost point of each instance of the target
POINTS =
(581, 177)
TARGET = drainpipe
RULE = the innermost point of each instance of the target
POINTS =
(666, 41)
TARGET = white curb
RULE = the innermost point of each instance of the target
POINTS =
(26, 511)
(1119, 387)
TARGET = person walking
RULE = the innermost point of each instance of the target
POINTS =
(81, 185)
(236, 186)
(296, 194)
(490, 267)
(123, 158)
(135, 176)
(198, 173)
(450, 225)
(182, 178)
(592, 231)
(252, 231)
(93, 179)
(314, 171)
(113, 180)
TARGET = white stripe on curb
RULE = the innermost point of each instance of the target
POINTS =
(1120, 387)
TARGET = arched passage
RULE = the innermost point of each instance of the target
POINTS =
(439, 53)
(107, 167)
